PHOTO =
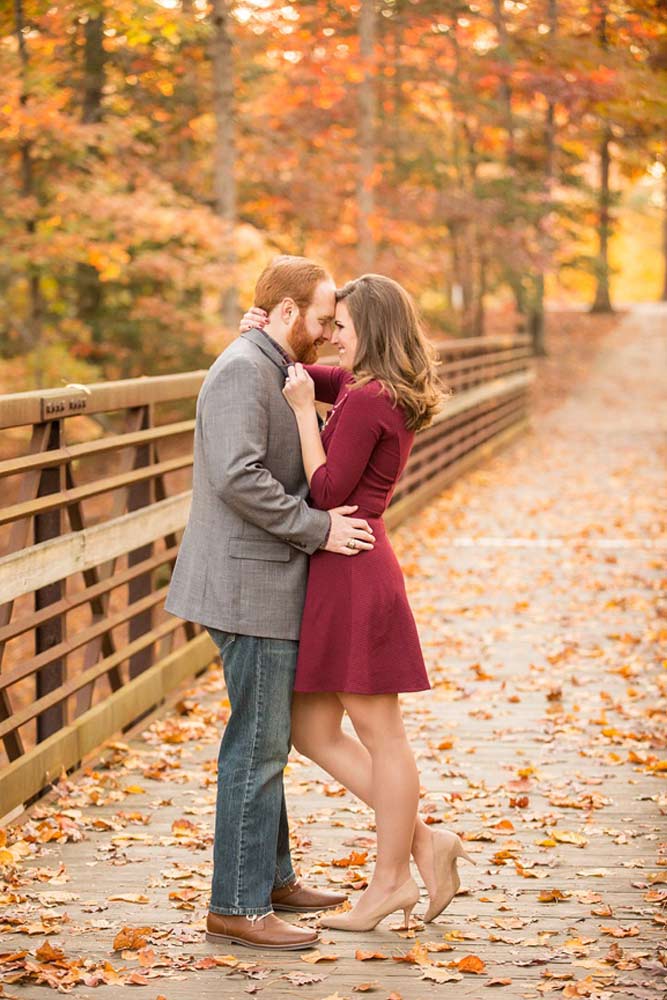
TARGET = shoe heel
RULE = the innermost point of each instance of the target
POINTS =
(407, 913)
(462, 853)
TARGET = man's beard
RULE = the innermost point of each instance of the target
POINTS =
(302, 346)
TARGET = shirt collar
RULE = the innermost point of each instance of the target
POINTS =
(281, 350)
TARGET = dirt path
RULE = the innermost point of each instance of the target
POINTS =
(537, 583)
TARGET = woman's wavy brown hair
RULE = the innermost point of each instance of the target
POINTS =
(392, 346)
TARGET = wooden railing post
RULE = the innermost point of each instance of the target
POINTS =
(51, 632)
(141, 495)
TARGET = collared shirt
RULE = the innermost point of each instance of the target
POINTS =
(280, 349)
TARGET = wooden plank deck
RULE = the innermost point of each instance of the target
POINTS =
(538, 584)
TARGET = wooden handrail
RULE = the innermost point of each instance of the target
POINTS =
(36, 406)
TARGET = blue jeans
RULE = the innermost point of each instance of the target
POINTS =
(251, 855)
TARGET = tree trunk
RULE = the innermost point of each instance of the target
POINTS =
(88, 285)
(32, 332)
(602, 302)
(93, 79)
(505, 88)
(479, 321)
(367, 112)
(536, 317)
(225, 155)
(469, 295)
(514, 278)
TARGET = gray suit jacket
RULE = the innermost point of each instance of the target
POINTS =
(243, 561)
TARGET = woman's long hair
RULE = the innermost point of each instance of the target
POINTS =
(392, 346)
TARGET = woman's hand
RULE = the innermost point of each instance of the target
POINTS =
(254, 319)
(299, 390)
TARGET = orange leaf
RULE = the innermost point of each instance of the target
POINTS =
(49, 954)
(418, 955)
(131, 938)
(353, 859)
(552, 896)
(471, 963)
(316, 956)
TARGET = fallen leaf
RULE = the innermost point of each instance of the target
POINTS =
(471, 963)
(46, 953)
(351, 861)
(418, 955)
(552, 896)
(303, 978)
(129, 897)
(316, 956)
(131, 938)
(621, 932)
(437, 975)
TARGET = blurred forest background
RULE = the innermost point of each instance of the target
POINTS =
(156, 153)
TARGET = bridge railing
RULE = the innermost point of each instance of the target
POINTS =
(95, 497)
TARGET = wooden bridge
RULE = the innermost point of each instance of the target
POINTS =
(536, 581)
(91, 532)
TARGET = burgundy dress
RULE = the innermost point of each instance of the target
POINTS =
(358, 633)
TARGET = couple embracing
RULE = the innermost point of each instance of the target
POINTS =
(285, 560)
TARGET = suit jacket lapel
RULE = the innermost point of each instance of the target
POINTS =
(266, 347)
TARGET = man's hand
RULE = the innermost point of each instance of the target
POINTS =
(254, 319)
(349, 535)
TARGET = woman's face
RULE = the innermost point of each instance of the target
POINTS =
(344, 336)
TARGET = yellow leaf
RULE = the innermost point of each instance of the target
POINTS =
(316, 956)
(569, 837)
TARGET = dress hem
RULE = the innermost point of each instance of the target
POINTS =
(347, 690)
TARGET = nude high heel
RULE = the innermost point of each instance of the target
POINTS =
(447, 848)
(404, 898)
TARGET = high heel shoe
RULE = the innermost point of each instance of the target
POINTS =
(404, 898)
(447, 848)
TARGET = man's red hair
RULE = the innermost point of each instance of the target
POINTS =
(288, 277)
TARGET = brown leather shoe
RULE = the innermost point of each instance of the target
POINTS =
(298, 898)
(264, 933)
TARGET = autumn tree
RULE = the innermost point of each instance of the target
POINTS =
(158, 153)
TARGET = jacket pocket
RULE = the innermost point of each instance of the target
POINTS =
(258, 548)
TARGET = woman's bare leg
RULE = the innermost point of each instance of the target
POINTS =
(317, 734)
(394, 790)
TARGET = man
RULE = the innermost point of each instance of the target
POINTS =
(241, 572)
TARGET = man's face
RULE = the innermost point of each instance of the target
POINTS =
(313, 327)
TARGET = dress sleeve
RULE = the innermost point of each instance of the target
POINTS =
(329, 380)
(358, 430)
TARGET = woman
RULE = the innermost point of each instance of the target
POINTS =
(358, 646)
